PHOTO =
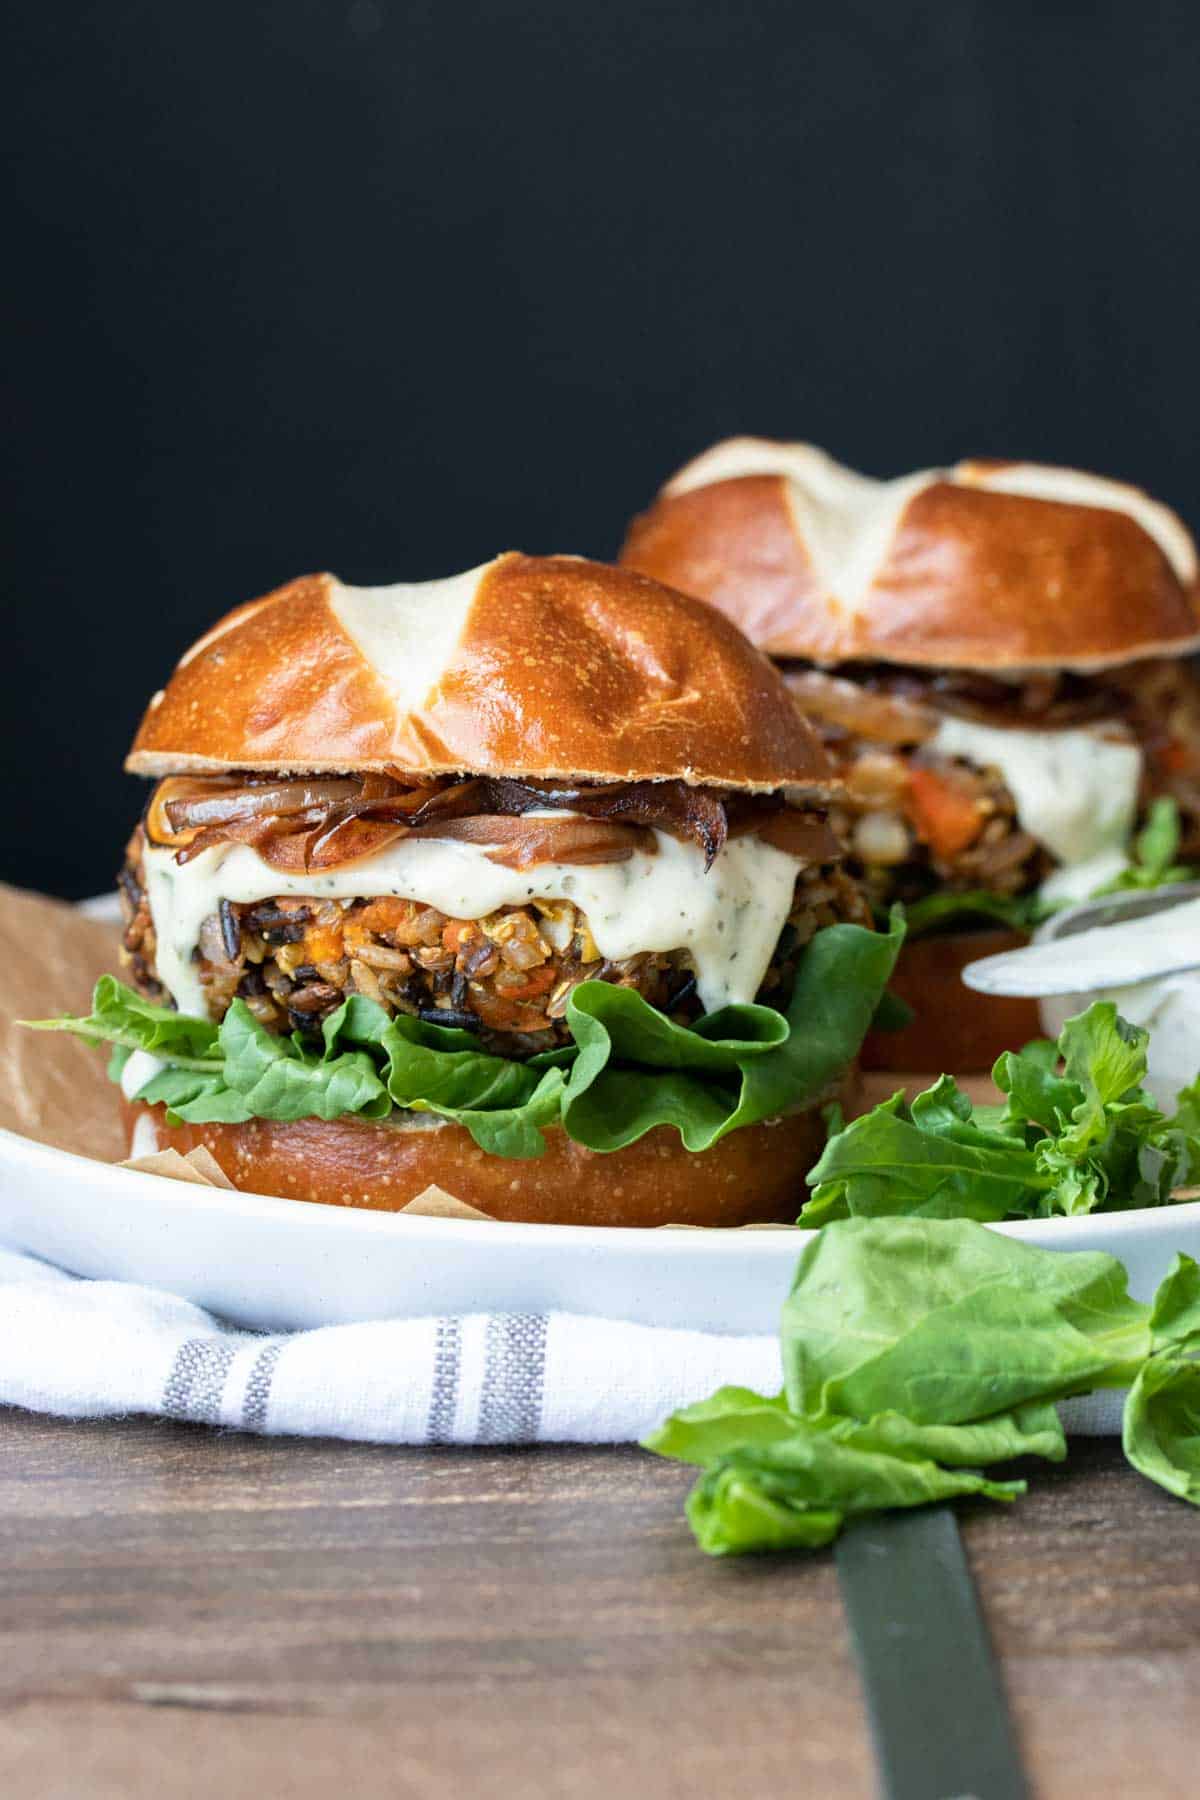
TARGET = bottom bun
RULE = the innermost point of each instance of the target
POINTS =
(753, 1176)
(955, 1031)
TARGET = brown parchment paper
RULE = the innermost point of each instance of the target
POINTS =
(53, 1087)
(201, 1167)
(198, 1166)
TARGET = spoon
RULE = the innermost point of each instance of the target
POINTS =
(1112, 942)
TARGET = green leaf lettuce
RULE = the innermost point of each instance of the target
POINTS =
(919, 1352)
(1083, 1139)
(627, 1069)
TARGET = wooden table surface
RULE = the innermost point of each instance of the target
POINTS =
(186, 1613)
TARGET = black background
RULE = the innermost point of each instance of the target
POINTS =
(385, 287)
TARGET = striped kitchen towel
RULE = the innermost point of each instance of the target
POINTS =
(94, 1349)
(99, 1349)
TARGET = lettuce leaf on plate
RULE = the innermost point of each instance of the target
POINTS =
(1082, 1138)
(927, 1160)
(128, 1022)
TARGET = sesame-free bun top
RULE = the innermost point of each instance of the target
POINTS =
(536, 666)
(988, 565)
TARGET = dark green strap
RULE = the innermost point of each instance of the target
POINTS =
(936, 1704)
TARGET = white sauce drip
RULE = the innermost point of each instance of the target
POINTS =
(145, 1134)
(729, 919)
(1075, 792)
(140, 1069)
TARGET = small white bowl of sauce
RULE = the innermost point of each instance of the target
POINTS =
(1167, 1004)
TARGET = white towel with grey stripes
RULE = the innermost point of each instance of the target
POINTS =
(99, 1349)
(93, 1349)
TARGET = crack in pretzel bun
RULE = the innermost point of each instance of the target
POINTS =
(536, 667)
(988, 565)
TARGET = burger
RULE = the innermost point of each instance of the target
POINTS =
(519, 884)
(993, 657)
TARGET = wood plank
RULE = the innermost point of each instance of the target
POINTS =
(184, 1612)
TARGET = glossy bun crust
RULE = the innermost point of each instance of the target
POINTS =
(988, 565)
(752, 1175)
(546, 667)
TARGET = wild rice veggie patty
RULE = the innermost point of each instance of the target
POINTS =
(507, 976)
(917, 822)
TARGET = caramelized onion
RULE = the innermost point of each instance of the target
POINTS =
(186, 812)
(696, 815)
(513, 841)
(304, 826)
(1041, 703)
(256, 832)
(803, 835)
(886, 718)
(1042, 699)
(329, 847)
(520, 843)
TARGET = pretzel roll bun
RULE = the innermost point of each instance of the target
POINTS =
(539, 667)
(755, 1174)
(988, 565)
(953, 1026)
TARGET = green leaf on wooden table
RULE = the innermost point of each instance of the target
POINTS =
(917, 1353)
(796, 1492)
(947, 1323)
(1175, 1314)
(1161, 1429)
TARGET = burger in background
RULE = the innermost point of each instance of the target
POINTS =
(992, 656)
(519, 883)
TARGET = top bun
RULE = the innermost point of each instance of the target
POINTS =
(989, 565)
(539, 666)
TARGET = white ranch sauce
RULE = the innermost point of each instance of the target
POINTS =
(140, 1069)
(145, 1133)
(1075, 792)
(728, 919)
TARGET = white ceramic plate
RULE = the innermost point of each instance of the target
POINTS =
(280, 1264)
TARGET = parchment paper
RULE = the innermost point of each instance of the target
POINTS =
(52, 1086)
